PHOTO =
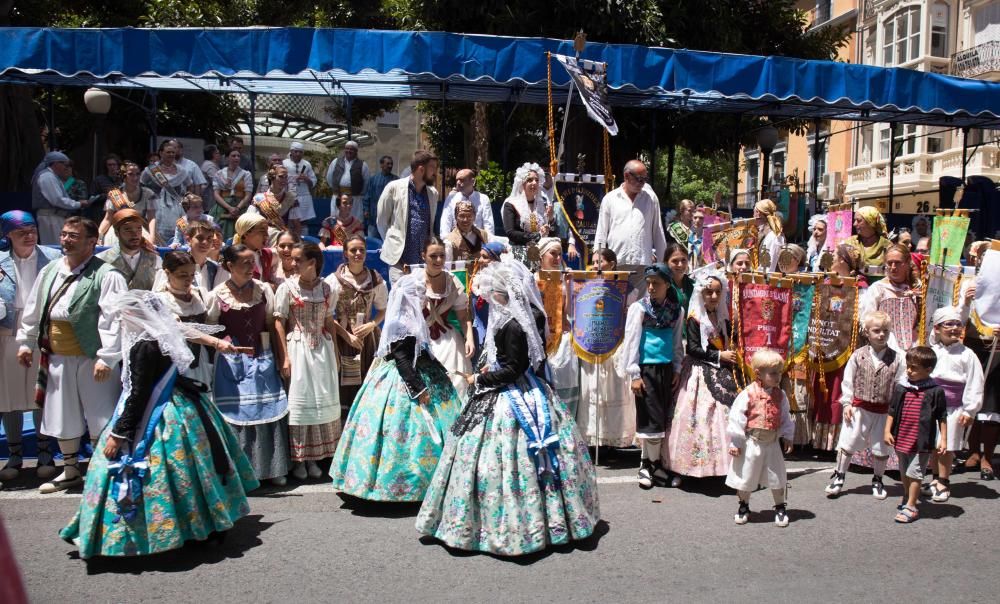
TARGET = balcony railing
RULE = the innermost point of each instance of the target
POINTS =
(977, 60)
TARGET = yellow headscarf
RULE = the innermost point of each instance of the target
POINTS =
(244, 223)
(874, 218)
(769, 210)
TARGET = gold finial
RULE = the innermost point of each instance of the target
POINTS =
(579, 41)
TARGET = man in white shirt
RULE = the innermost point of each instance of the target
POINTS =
(302, 177)
(197, 176)
(350, 175)
(49, 199)
(128, 255)
(67, 316)
(465, 190)
(629, 222)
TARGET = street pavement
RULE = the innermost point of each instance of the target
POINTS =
(304, 543)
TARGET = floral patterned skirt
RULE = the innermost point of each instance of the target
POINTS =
(391, 444)
(183, 497)
(698, 445)
(486, 494)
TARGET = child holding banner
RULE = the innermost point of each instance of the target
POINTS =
(697, 445)
(758, 419)
(869, 377)
(959, 373)
(651, 359)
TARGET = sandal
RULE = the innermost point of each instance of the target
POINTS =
(907, 515)
(986, 473)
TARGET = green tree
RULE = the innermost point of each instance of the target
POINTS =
(696, 177)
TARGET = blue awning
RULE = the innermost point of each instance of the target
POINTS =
(460, 67)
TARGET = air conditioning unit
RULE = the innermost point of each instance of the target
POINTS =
(832, 182)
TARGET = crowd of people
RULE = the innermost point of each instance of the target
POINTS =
(230, 360)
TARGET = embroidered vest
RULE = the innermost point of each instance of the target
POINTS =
(763, 408)
(873, 382)
(357, 177)
(143, 275)
(84, 307)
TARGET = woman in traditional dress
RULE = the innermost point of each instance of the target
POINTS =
(679, 229)
(602, 391)
(251, 231)
(870, 236)
(527, 216)
(515, 476)
(130, 194)
(769, 233)
(285, 268)
(169, 183)
(395, 430)
(452, 347)
(21, 260)
(167, 469)
(233, 189)
(562, 365)
(817, 242)
(305, 327)
(337, 228)
(827, 413)
(248, 388)
(698, 445)
(190, 305)
(360, 309)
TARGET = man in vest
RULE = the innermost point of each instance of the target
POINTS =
(66, 318)
(129, 255)
(348, 174)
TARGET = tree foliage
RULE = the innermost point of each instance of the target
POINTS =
(697, 177)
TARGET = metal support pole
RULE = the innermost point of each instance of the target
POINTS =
(965, 152)
(892, 163)
(350, 118)
(253, 137)
(652, 154)
(152, 124)
(51, 119)
(766, 176)
(736, 163)
(817, 149)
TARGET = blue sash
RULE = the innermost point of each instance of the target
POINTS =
(128, 471)
(656, 346)
(535, 418)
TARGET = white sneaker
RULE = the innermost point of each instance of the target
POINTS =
(878, 489)
(780, 516)
(69, 479)
(645, 476)
(940, 495)
(313, 470)
(836, 485)
(299, 471)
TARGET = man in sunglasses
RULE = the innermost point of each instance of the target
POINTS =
(629, 222)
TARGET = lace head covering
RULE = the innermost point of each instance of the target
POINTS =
(515, 281)
(698, 311)
(917, 220)
(143, 315)
(770, 211)
(518, 200)
(814, 246)
(404, 314)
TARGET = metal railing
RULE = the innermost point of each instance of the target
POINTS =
(977, 60)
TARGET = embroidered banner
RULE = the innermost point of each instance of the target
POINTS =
(941, 289)
(591, 82)
(738, 234)
(832, 333)
(838, 226)
(948, 239)
(712, 217)
(765, 319)
(803, 295)
(581, 203)
(550, 284)
(599, 309)
(987, 301)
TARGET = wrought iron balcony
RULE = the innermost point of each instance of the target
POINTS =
(977, 60)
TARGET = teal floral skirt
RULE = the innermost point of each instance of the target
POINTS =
(486, 494)
(183, 496)
(391, 444)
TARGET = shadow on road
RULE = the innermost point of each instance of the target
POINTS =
(244, 535)
(379, 509)
(584, 545)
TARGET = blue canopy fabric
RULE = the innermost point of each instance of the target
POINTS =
(461, 67)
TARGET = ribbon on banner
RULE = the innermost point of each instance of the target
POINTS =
(598, 303)
(712, 217)
(833, 335)
(839, 222)
(550, 284)
(590, 78)
(738, 234)
(765, 307)
(948, 237)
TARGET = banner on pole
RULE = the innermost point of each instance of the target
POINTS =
(591, 81)
(550, 284)
(942, 286)
(581, 196)
(599, 309)
(765, 317)
(986, 305)
(803, 296)
(833, 333)
(948, 237)
(738, 234)
(839, 222)
(712, 217)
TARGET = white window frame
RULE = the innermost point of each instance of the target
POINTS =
(898, 50)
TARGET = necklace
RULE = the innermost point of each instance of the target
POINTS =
(240, 291)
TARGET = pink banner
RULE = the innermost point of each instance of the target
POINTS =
(707, 252)
(838, 227)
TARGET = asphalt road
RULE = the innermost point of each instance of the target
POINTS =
(305, 544)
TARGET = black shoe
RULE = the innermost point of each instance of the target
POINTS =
(780, 516)
(743, 514)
